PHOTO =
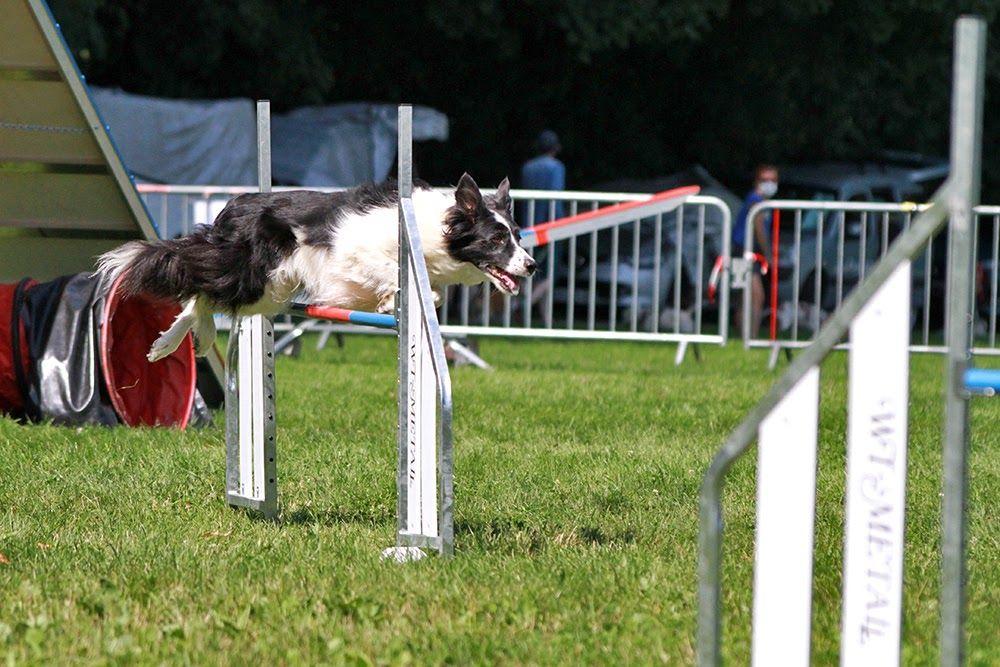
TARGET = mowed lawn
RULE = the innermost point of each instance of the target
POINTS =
(577, 470)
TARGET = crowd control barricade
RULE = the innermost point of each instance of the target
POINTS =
(821, 250)
(633, 271)
(622, 266)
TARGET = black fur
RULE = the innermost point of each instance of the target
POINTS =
(472, 233)
(230, 262)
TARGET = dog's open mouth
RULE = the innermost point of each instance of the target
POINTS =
(505, 282)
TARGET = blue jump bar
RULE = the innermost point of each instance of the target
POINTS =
(380, 320)
(372, 319)
(983, 380)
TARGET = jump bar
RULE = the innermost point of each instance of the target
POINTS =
(600, 218)
(380, 320)
(985, 381)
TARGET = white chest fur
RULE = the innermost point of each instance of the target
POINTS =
(359, 269)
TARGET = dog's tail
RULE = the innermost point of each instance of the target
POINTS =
(150, 267)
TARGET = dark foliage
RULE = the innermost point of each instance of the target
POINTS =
(634, 89)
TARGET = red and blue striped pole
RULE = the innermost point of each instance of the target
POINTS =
(380, 320)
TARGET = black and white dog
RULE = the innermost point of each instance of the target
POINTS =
(336, 249)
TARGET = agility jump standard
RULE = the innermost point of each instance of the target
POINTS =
(785, 422)
(424, 436)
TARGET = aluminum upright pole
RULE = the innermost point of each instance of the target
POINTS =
(251, 470)
(966, 133)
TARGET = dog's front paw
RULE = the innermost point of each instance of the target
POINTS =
(387, 305)
(160, 349)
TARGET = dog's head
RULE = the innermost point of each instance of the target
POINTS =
(480, 230)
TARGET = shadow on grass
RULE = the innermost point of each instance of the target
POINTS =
(308, 516)
(496, 534)
(509, 534)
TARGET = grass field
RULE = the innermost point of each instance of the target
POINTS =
(577, 471)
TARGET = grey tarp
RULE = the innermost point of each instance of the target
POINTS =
(198, 142)
(213, 142)
(344, 144)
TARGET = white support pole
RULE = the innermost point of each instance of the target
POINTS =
(251, 470)
(419, 465)
(786, 493)
(876, 477)
(424, 518)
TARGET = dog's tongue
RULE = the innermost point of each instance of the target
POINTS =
(508, 281)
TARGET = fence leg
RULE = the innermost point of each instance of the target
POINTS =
(681, 352)
(465, 353)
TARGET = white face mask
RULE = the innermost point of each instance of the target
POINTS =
(768, 188)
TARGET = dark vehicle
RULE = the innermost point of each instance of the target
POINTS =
(830, 252)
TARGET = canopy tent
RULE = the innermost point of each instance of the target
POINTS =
(65, 195)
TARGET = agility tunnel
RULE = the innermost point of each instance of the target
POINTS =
(74, 352)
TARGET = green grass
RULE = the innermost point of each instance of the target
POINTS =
(576, 477)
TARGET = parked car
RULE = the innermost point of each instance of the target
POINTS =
(898, 177)
(851, 242)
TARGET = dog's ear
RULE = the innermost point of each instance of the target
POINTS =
(503, 195)
(467, 195)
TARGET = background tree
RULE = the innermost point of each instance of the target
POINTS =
(634, 89)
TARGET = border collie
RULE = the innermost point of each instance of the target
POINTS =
(336, 249)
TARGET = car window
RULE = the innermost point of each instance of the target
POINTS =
(885, 194)
(793, 191)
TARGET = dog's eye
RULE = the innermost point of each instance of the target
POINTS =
(499, 240)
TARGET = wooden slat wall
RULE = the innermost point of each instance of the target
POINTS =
(22, 46)
(63, 201)
(47, 258)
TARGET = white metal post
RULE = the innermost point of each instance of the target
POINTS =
(878, 400)
(251, 469)
(786, 491)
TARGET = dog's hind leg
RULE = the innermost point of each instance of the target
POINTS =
(172, 338)
(204, 331)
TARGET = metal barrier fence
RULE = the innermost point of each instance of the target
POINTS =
(640, 278)
(827, 248)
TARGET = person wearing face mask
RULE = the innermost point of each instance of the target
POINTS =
(765, 185)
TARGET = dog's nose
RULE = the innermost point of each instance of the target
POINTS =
(530, 265)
